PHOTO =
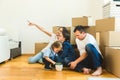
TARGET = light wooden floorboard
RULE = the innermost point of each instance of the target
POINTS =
(19, 69)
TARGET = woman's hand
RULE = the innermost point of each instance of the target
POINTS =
(40, 28)
(31, 24)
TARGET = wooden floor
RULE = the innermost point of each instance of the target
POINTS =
(19, 69)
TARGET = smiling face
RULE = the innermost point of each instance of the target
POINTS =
(61, 37)
(79, 35)
(59, 34)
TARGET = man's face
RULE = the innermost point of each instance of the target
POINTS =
(79, 35)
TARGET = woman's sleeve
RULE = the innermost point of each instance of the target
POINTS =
(65, 51)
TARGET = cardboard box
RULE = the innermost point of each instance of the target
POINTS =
(84, 21)
(108, 24)
(39, 47)
(72, 36)
(111, 9)
(110, 38)
(91, 30)
(112, 58)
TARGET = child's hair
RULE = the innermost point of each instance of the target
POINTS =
(56, 44)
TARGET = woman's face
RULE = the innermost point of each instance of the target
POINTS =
(60, 37)
(59, 34)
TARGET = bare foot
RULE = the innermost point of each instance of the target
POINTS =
(97, 72)
(86, 70)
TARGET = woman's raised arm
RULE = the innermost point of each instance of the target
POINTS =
(40, 28)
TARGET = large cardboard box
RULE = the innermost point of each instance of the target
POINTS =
(110, 38)
(108, 24)
(84, 21)
(91, 30)
(112, 60)
(39, 47)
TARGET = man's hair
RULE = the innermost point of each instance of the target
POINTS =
(79, 28)
(56, 44)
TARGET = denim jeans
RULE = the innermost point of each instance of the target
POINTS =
(67, 60)
(36, 58)
(48, 64)
(92, 61)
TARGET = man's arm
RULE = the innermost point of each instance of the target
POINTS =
(74, 63)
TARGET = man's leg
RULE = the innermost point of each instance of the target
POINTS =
(96, 59)
(83, 66)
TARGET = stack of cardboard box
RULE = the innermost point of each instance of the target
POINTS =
(109, 30)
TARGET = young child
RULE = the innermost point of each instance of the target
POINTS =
(50, 56)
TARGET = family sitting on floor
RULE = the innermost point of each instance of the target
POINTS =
(60, 50)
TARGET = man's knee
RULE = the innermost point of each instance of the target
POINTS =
(88, 46)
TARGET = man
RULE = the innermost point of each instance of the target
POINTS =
(90, 55)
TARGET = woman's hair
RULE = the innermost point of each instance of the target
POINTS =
(63, 29)
(65, 33)
(56, 44)
(79, 28)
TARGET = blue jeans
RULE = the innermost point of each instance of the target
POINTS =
(67, 60)
(92, 61)
(36, 58)
(47, 63)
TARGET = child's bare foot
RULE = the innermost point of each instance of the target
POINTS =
(97, 72)
(86, 70)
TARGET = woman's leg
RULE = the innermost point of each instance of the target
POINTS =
(35, 58)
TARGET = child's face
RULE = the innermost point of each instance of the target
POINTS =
(56, 50)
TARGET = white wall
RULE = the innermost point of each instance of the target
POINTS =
(15, 13)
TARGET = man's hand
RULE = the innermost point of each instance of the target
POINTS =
(72, 65)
